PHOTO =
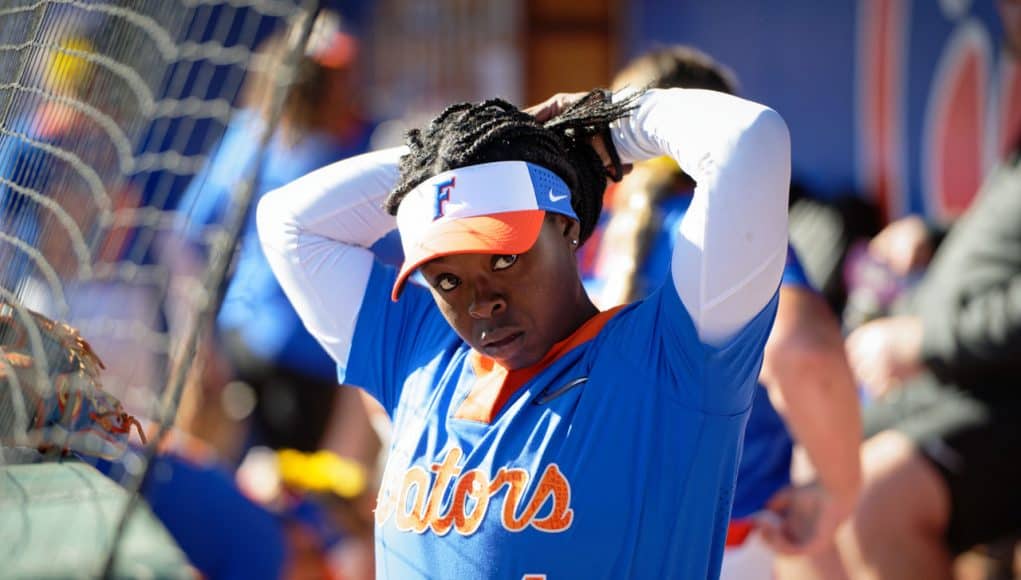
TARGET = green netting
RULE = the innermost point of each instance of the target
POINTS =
(57, 521)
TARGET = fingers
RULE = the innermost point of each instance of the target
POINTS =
(553, 106)
(771, 527)
(544, 111)
(790, 523)
(903, 246)
(771, 522)
(604, 155)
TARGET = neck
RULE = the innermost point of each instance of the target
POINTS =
(582, 311)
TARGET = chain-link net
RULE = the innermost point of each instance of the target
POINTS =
(108, 109)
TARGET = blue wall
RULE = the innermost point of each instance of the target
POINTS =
(802, 56)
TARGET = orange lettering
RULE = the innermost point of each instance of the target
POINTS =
(445, 471)
(385, 501)
(473, 484)
(516, 480)
(415, 478)
(561, 515)
(473, 490)
(384, 506)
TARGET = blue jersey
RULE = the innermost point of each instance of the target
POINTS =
(253, 291)
(594, 464)
(765, 462)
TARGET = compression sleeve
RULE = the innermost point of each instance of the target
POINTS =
(315, 232)
(732, 243)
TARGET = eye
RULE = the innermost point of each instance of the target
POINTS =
(447, 282)
(504, 262)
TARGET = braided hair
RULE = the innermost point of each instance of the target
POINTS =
(495, 130)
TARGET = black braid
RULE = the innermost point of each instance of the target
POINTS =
(494, 130)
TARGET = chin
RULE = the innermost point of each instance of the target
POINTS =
(523, 360)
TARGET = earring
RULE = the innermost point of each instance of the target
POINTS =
(574, 242)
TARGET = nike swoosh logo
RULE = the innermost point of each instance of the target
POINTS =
(556, 198)
(549, 396)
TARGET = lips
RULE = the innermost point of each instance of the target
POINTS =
(501, 343)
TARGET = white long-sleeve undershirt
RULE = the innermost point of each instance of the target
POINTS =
(726, 266)
(733, 239)
(316, 232)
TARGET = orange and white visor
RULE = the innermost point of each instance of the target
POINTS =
(491, 208)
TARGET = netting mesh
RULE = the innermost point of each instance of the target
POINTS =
(108, 108)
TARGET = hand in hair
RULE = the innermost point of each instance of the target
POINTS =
(560, 102)
(553, 106)
(468, 134)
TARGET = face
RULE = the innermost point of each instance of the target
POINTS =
(514, 308)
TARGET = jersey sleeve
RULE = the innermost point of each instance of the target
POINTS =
(732, 243)
(657, 336)
(794, 273)
(393, 340)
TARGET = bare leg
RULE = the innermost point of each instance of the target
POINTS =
(899, 526)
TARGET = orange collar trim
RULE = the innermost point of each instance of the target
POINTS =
(495, 384)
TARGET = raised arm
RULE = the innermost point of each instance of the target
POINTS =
(733, 240)
(315, 232)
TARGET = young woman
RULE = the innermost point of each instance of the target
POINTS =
(533, 435)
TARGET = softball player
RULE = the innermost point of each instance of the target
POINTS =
(535, 437)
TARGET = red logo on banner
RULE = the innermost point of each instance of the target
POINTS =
(954, 142)
(972, 116)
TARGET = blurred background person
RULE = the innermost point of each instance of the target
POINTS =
(223, 532)
(55, 211)
(881, 271)
(808, 389)
(263, 380)
(257, 332)
(940, 477)
(943, 369)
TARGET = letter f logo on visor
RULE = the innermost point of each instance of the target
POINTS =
(442, 196)
(499, 209)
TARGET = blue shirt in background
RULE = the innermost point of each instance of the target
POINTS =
(254, 305)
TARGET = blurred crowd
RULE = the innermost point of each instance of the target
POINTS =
(882, 444)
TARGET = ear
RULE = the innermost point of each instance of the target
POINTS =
(570, 230)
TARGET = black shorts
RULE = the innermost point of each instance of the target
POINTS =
(974, 441)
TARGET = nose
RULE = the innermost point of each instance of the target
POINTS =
(486, 304)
